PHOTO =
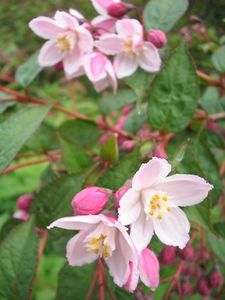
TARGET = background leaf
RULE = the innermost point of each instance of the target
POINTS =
(218, 59)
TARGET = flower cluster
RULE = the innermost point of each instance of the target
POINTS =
(110, 46)
(149, 203)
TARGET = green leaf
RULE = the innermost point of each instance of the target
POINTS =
(217, 245)
(109, 150)
(18, 258)
(17, 129)
(163, 14)
(74, 282)
(174, 93)
(54, 201)
(218, 59)
(116, 176)
(82, 133)
(114, 102)
(7, 104)
(136, 118)
(27, 72)
(74, 157)
(220, 229)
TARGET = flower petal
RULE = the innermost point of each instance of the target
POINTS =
(173, 228)
(76, 222)
(127, 28)
(85, 40)
(94, 65)
(110, 44)
(141, 231)
(101, 5)
(105, 24)
(149, 268)
(125, 65)
(129, 207)
(76, 14)
(184, 190)
(77, 254)
(149, 59)
(150, 173)
(72, 61)
(45, 27)
(133, 278)
(66, 21)
(49, 54)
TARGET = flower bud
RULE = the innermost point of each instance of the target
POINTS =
(58, 67)
(128, 145)
(157, 38)
(24, 202)
(187, 253)
(203, 287)
(168, 255)
(21, 214)
(212, 125)
(186, 289)
(117, 10)
(91, 200)
(216, 279)
(118, 195)
(159, 152)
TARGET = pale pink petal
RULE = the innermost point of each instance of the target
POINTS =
(45, 27)
(130, 207)
(72, 61)
(184, 189)
(141, 231)
(110, 44)
(173, 228)
(76, 14)
(76, 252)
(128, 28)
(149, 59)
(105, 24)
(101, 5)
(85, 40)
(75, 222)
(76, 74)
(94, 65)
(66, 21)
(101, 84)
(125, 65)
(150, 173)
(149, 268)
(133, 278)
(111, 75)
(49, 54)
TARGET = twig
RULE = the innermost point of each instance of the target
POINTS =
(93, 283)
(101, 280)
(210, 80)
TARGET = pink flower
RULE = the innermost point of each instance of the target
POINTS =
(67, 41)
(91, 200)
(151, 204)
(157, 37)
(21, 214)
(100, 236)
(129, 49)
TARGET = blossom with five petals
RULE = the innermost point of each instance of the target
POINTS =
(100, 236)
(151, 204)
(129, 48)
(67, 40)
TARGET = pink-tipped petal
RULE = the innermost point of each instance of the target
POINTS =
(110, 44)
(85, 40)
(94, 65)
(125, 65)
(45, 27)
(72, 61)
(111, 75)
(149, 268)
(173, 229)
(184, 189)
(133, 278)
(75, 13)
(150, 173)
(65, 20)
(101, 5)
(76, 222)
(49, 54)
(149, 59)
(77, 254)
(128, 28)
(141, 231)
(105, 24)
(130, 207)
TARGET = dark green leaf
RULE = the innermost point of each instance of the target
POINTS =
(17, 129)
(163, 14)
(174, 93)
(114, 102)
(220, 229)
(109, 150)
(218, 59)
(136, 118)
(217, 245)
(27, 72)
(18, 258)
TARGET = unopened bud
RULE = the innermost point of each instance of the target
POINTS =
(128, 145)
(118, 195)
(58, 67)
(91, 200)
(187, 253)
(117, 10)
(212, 125)
(203, 287)
(24, 202)
(159, 152)
(168, 255)
(216, 279)
(186, 289)
(157, 38)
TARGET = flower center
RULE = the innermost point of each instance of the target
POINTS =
(99, 246)
(64, 43)
(158, 204)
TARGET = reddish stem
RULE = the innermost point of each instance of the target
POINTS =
(101, 277)
(93, 283)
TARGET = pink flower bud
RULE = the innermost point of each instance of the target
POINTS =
(117, 10)
(157, 38)
(212, 125)
(203, 287)
(216, 279)
(24, 202)
(91, 200)
(128, 145)
(187, 253)
(22, 215)
(159, 152)
(118, 195)
(58, 67)
(186, 289)
(168, 255)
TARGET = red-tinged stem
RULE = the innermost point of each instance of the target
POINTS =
(210, 80)
(9, 99)
(101, 277)
(93, 283)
